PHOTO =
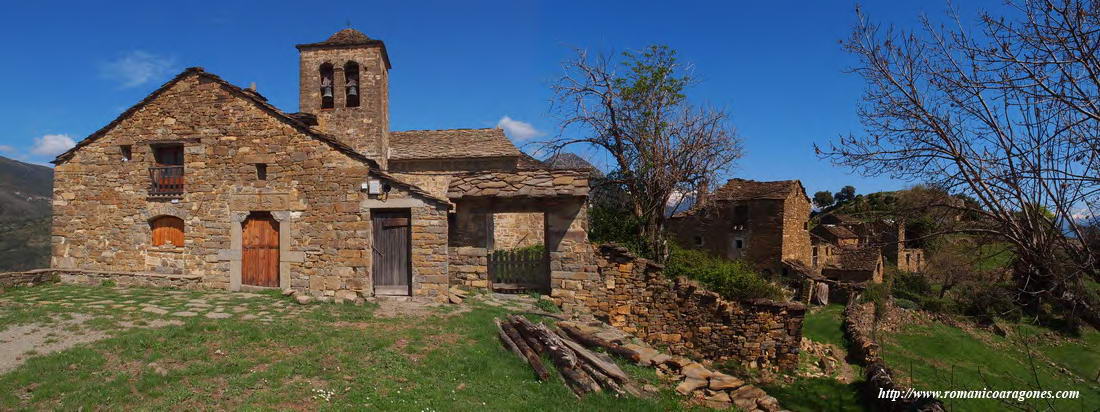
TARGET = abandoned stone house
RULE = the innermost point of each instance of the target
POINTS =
(205, 184)
(887, 235)
(764, 223)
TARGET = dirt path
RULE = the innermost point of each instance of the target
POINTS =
(20, 342)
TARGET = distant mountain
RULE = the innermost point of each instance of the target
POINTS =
(26, 191)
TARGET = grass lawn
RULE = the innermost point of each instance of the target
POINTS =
(941, 357)
(270, 354)
(825, 325)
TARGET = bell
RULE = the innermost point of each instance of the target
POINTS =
(353, 91)
(327, 92)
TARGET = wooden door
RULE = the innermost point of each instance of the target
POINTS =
(391, 252)
(260, 250)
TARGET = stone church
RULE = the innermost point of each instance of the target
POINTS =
(204, 184)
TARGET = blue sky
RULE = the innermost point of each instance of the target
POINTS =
(776, 66)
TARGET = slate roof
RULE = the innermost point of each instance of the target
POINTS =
(865, 258)
(526, 162)
(520, 184)
(349, 38)
(839, 232)
(262, 103)
(741, 189)
(451, 144)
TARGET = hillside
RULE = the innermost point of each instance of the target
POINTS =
(25, 193)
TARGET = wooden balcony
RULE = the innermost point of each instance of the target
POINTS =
(166, 181)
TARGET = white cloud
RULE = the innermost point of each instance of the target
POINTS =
(52, 144)
(517, 130)
(137, 68)
(6, 149)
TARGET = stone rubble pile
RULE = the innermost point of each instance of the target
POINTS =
(708, 388)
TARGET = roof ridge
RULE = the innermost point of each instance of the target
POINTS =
(460, 129)
(264, 105)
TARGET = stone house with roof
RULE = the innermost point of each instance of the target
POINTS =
(887, 235)
(204, 184)
(764, 223)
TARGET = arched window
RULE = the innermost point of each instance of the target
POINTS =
(326, 86)
(167, 230)
(351, 88)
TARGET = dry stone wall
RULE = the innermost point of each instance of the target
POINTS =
(27, 278)
(859, 320)
(634, 295)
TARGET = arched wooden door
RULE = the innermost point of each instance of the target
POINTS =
(260, 250)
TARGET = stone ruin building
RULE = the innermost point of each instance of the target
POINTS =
(204, 184)
(762, 222)
(839, 235)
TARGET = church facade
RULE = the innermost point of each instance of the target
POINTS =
(207, 183)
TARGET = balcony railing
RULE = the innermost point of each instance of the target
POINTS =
(166, 181)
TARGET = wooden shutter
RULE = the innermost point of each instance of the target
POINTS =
(167, 230)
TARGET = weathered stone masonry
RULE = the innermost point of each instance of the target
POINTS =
(634, 295)
(102, 208)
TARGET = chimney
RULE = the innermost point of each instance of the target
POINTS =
(252, 86)
(701, 194)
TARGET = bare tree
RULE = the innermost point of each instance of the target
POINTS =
(662, 146)
(1007, 117)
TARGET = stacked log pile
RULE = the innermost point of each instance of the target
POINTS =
(583, 370)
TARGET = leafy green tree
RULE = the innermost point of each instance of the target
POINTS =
(846, 194)
(823, 199)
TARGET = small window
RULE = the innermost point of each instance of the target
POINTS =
(127, 152)
(168, 155)
(698, 241)
(167, 230)
(261, 171)
(739, 243)
(805, 225)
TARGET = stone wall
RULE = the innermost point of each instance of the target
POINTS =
(91, 277)
(796, 233)
(859, 321)
(634, 295)
(27, 278)
(517, 230)
(366, 128)
(102, 206)
(773, 230)
(911, 260)
(469, 266)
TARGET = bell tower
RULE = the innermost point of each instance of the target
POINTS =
(344, 81)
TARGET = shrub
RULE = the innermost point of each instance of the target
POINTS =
(938, 305)
(905, 304)
(615, 225)
(734, 280)
(911, 286)
(988, 303)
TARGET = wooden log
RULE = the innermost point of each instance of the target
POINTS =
(595, 341)
(532, 358)
(507, 341)
(610, 369)
(605, 381)
(564, 359)
(525, 327)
